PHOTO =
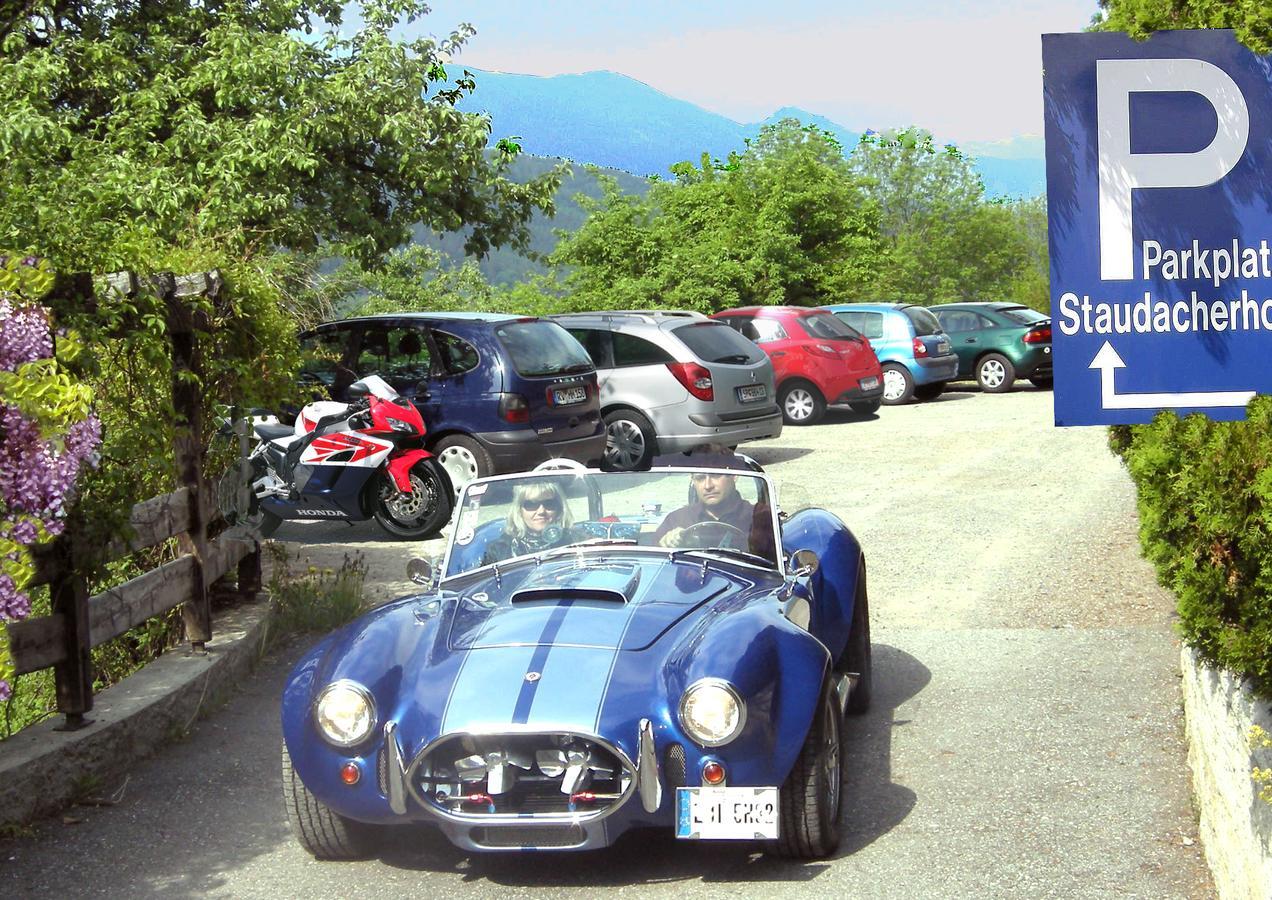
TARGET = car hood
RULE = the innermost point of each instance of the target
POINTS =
(584, 601)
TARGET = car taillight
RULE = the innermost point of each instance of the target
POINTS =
(920, 348)
(1038, 336)
(823, 350)
(695, 378)
(514, 408)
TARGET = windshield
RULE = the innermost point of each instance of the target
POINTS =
(542, 513)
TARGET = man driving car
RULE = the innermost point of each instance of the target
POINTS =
(718, 501)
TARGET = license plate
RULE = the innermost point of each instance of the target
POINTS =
(748, 393)
(943, 347)
(869, 384)
(726, 813)
(566, 396)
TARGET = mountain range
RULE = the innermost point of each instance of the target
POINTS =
(611, 120)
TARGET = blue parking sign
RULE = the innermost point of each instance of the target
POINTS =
(1159, 200)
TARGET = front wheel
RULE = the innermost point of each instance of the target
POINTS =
(809, 800)
(323, 833)
(856, 658)
(417, 515)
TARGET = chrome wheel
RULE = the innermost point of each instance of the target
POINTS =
(624, 444)
(894, 385)
(799, 404)
(830, 756)
(992, 374)
(460, 464)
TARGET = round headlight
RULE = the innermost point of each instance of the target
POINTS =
(711, 712)
(345, 713)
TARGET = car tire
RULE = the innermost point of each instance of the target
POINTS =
(809, 801)
(898, 384)
(630, 442)
(856, 657)
(323, 833)
(1041, 381)
(865, 407)
(930, 391)
(801, 403)
(463, 458)
(415, 518)
(995, 373)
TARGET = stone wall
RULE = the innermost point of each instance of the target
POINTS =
(1236, 826)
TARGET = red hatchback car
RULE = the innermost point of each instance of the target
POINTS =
(817, 359)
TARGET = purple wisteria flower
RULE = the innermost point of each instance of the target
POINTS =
(5, 691)
(24, 335)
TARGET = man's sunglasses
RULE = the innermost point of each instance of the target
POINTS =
(551, 504)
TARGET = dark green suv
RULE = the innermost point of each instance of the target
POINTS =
(997, 343)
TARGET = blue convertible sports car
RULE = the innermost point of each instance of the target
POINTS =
(598, 651)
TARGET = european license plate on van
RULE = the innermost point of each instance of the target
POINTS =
(726, 813)
(749, 393)
(566, 396)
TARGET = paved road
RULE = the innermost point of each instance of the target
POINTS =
(1025, 741)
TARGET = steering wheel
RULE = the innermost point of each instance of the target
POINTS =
(714, 534)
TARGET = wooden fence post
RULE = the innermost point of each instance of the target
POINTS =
(73, 677)
(187, 369)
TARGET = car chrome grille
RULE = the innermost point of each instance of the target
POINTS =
(539, 774)
(674, 766)
(529, 836)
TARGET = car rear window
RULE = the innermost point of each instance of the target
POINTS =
(1024, 315)
(922, 319)
(718, 343)
(826, 325)
(540, 348)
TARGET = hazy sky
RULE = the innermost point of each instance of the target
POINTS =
(967, 71)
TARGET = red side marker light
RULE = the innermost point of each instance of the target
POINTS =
(350, 773)
(713, 773)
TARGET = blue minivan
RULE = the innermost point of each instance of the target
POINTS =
(914, 352)
(498, 393)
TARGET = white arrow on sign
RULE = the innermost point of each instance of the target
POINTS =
(1107, 361)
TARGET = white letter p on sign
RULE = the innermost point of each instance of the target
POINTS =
(1122, 171)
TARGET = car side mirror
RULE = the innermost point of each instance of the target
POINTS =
(803, 563)
(420, 571)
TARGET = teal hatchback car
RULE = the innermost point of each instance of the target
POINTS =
(997, 343)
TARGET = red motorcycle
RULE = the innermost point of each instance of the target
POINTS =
(353, 461)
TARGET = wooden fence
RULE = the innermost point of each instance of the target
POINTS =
(78, 623)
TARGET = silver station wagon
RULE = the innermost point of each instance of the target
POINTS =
(671, 381)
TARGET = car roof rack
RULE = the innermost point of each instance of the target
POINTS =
(648, 315)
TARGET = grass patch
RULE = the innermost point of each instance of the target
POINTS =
(313, 598)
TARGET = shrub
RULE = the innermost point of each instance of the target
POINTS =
(1205, 504)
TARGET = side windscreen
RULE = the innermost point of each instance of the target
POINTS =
(868, 323)
(634, 351)
(458, 356)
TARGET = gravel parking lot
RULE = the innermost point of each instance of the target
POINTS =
(1026, 738)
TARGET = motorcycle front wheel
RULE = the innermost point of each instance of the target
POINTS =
(422, 513)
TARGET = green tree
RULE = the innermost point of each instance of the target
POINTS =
(246, 124)
(783, 222)
(944, 241)
(1251, 19)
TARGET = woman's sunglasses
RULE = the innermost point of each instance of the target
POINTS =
(551, 504)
